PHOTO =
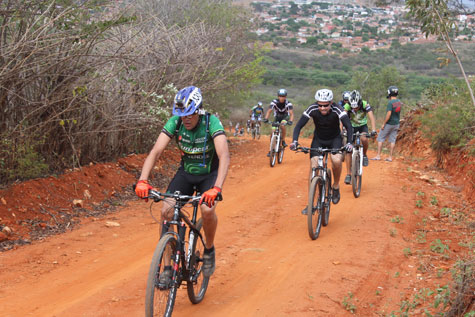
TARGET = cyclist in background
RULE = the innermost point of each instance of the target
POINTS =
(256, 114)
(345, 99)
(359, 110)
(204, 164)
(326, 116)
(283, 110)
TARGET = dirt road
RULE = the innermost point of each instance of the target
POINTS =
(266, 263)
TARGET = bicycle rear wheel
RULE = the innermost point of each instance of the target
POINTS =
(160, 298)
(197, 284)
(328, 199)
(356, 176)
(273, 154)
(314, 207)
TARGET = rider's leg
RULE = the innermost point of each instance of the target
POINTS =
(337, 160)
(348, 163)
(365, 142)
(210, 223)
(167, 214)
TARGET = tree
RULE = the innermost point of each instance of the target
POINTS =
(436, 18)
(373, 85)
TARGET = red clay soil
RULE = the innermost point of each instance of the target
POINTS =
(376, 253)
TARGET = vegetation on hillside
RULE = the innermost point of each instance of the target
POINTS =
(86, 81)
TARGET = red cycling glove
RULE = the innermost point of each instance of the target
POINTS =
(210, 195)
(142, 187)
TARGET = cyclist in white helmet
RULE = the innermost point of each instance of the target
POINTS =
(256, 114)
(326, 116)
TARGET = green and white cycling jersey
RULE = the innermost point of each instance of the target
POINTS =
(358, 118)
(192, 143)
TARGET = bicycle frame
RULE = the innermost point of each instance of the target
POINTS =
(319, 191)
(276, 130)
(358, 148)
(180, 221)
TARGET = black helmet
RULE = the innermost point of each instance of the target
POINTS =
(282, 93)
(392, 91)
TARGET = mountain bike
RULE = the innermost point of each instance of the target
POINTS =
(357, 163)
(320, 190)
(184, 257)
(256, 130)
(276, 148)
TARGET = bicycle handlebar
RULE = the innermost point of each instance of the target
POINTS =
(369, 135)
(319, 150)
(158, 196)
(275, 123)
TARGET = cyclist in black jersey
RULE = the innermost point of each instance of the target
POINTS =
(283, 110)
(204, 165)
(326, 116)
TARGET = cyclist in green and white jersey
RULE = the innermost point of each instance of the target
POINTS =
(359, 110)
(204, 164)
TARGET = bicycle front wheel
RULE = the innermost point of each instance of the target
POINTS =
(197, 283)
(258, 132)
(161, 292)
(315, 207)
(281, 154)
(356, 176)
(328, 199)
(273, 153)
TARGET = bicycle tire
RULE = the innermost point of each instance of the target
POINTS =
(328, 199)
(258, 133)
(197, 283)
(356, 176)
(281, 154)
(273, 154)
(160, 302)
(314, 208)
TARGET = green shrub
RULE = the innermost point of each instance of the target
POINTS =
(20, 161)
(452, 111)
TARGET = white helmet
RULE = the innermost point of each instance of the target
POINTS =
(324, 95)
(355, 98)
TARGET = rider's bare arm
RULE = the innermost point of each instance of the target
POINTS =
(157, 150)
(388, 115)
(222, 150)
(373, 122)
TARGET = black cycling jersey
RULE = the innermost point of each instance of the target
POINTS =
(281, 107)
(327, 127)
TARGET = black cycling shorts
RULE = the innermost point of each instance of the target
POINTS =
(335, 143)
(281, 116)
(360, 129)
(184, 182)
